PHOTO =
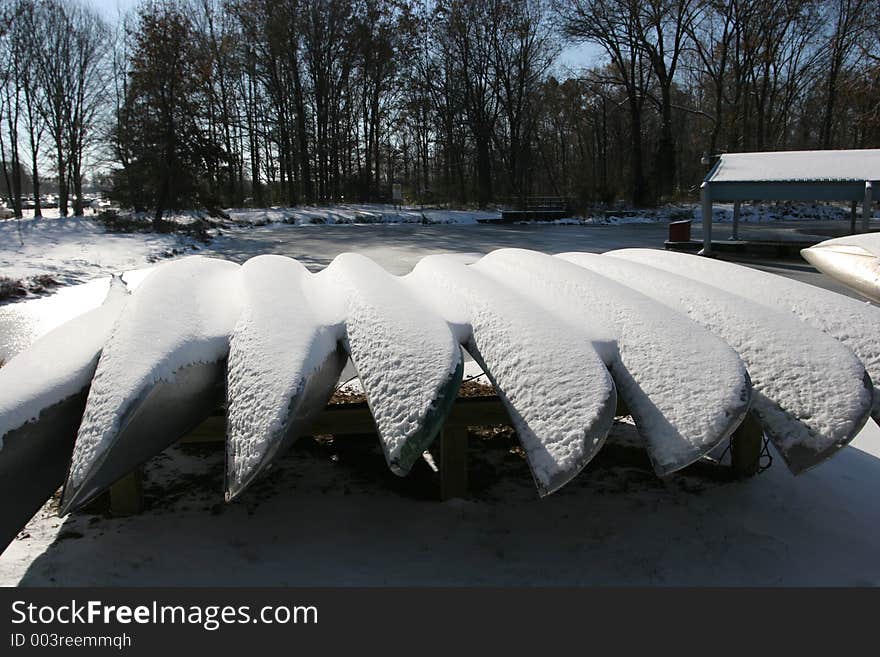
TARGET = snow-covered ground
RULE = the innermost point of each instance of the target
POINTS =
(358, 214)
(74, 250)
(750, 213)
(332, 514)
(773, 212)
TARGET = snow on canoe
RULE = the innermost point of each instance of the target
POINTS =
(42, 397)
(548, 374)
(408, 362)
(686, 389)
(284, 362)
(24, 322)
(160, 374)
(852, 322)
(852, 260)
(811, 394)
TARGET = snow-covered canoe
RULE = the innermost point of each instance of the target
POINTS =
(161, 372)
(853, 260)
(685, 388)
(24, 322)
(405, 355)
(284, 362)
(43, 393)
(547, 372)
(850, 321)
(811, 394)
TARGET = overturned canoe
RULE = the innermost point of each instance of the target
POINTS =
(405, 355)
(42, 397)
(850, 321)
(686, 389)
(853, 261)
(547, 371)
(160, 374)
(284, 362)
(810, 392)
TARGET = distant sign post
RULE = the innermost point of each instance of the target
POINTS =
(397, 193)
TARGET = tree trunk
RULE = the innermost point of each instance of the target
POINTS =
(484, 179)
(637, 173)
(666, 165)
(62, 182)
(302, 136)
(38, 209)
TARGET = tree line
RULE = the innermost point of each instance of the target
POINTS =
(219, 103)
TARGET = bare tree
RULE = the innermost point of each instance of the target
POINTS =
(849, 20)
(24, 31)
(523, 49)
(318, 100)
(614, 25)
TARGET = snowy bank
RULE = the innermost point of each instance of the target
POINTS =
(357, 214)
(75, 249)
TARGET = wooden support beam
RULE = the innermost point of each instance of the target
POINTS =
(745, 447)
(127, 494)
(344, 419)
(453, 462)
(348, 419)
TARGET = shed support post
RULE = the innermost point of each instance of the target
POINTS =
(735, 235)
(866, 208)
(853, 212)
(706, 199)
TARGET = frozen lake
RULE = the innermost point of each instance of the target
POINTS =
(398, 247)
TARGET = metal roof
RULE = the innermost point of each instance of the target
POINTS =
(798, 167)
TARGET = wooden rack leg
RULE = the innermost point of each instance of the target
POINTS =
(127, 494)
(745, 447)
(453, 463)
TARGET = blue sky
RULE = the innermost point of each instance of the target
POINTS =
(109, 8)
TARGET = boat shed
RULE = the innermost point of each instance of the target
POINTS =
(844, 175)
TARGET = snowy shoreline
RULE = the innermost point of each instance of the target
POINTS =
(38, 255)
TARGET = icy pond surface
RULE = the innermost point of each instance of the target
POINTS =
(396, 247)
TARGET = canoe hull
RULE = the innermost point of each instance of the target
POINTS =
(158, 418)
(34, 461)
